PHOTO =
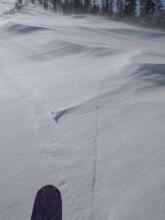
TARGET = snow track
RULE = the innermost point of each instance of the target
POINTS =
(82, 107)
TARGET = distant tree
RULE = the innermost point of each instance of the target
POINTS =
(87, 4)
(149, 7)
(45, 4)
(109, 7)
(107, 4)
(111, 3)
(94, 8)
(56, 4)
(77, 5)
(120, 7)
(65, 6)
(18, 4)
(162, 6)
(130, 6)
(151, 11)
(156, 11)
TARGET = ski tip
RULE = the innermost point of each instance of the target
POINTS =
(48, 204)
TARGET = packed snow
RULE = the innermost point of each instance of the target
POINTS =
(82, 107)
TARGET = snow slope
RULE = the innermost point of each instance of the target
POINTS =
(82, 107)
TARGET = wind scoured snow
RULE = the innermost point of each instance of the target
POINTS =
(82, 107)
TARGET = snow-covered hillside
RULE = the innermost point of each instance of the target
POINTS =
(82, 106)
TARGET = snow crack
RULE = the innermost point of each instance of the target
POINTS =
(96, 148)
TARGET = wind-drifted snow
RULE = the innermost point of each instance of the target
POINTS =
(82, 106)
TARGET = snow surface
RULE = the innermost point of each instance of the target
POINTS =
(82, 106)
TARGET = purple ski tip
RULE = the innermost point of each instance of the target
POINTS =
(48, 204)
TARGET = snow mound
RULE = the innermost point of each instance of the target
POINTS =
(104, 83)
